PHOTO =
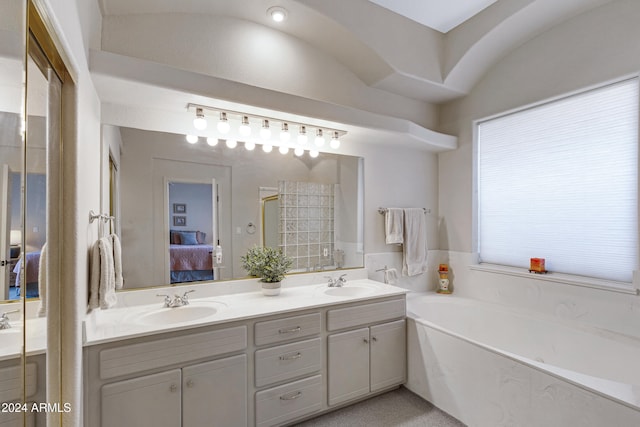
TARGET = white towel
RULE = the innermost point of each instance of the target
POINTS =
(391, 276)
(42, 282)
(102, 291)
(117, 260)
(414, 249)
(393, 226)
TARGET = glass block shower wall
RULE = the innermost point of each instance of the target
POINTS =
(307, 223)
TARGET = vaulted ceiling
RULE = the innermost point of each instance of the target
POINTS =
(352, 56)
(385, 49)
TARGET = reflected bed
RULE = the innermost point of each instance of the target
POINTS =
(190, 263)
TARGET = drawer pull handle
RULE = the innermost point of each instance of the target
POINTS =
(290, 331)
(190, 383)
(173, 388)
(293, 356)
(291, 396)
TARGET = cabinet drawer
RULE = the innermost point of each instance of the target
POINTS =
(278, 405)
(364, 314)
(288, 361)
(274, 331)
(140, 357)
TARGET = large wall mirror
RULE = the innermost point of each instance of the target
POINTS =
(12, 50)
(188, 212)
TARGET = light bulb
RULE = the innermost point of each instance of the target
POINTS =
(199, 122)
(223, 124)
(285, 136)
(267, 148)
(232, 143)
(335, 141)
(245, 129)
(299, 151)
(265, 132)
(192, 139)
(277, 13)
(249, 145)
(319, 138)
(314, 153)
(302, 135)
(283, 149)
(212, 141)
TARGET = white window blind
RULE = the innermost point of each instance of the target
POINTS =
(559, 181)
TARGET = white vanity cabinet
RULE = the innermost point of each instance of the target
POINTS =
(11, 388)
(273, 369)
(192, 396)
(369, 358)
(164, 381)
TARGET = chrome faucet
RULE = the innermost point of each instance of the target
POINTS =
(176, 300)
(336, 283)
(4, 319)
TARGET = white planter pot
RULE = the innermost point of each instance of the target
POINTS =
(270, 289)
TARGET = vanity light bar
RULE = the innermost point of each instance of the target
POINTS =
(245, 118)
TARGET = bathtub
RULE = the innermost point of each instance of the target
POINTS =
(491, 365)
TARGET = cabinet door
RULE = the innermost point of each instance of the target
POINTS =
(215, 393)
(149, 401)
(388, 355)
(348, 365)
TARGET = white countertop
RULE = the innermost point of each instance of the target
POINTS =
(11, 339)
(102, 326)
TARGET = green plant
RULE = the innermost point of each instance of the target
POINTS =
(267, 263)
(253, 261)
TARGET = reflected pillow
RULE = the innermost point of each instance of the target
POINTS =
(174, 237)
(201, 237)
(188, 237)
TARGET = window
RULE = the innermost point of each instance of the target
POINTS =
(559, 181)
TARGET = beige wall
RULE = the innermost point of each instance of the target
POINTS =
(590, 49)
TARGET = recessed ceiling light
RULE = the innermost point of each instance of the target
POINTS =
(277, 13)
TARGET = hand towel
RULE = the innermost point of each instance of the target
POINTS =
(391, 276)
(393, 226)
(414, 248)
(102, 291)
(117, 260)
(42, 282)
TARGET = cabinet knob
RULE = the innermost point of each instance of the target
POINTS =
(366, 341)
(189, 383)
(173, 388)
(374, 339)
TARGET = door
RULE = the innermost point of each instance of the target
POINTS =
(5, 230)
(149, 401)
(191, 208)
(388, 355)
(215, 393)
(348, 365)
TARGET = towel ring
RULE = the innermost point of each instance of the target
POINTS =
(251, 229)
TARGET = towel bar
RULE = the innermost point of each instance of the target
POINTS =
(384, 210)
(93, 216)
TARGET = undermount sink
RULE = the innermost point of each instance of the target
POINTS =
(349, 291)
(167, 316)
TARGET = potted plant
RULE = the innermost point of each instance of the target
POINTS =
(269, 264)
(252, 262)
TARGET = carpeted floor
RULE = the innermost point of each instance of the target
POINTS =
(397, 408)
